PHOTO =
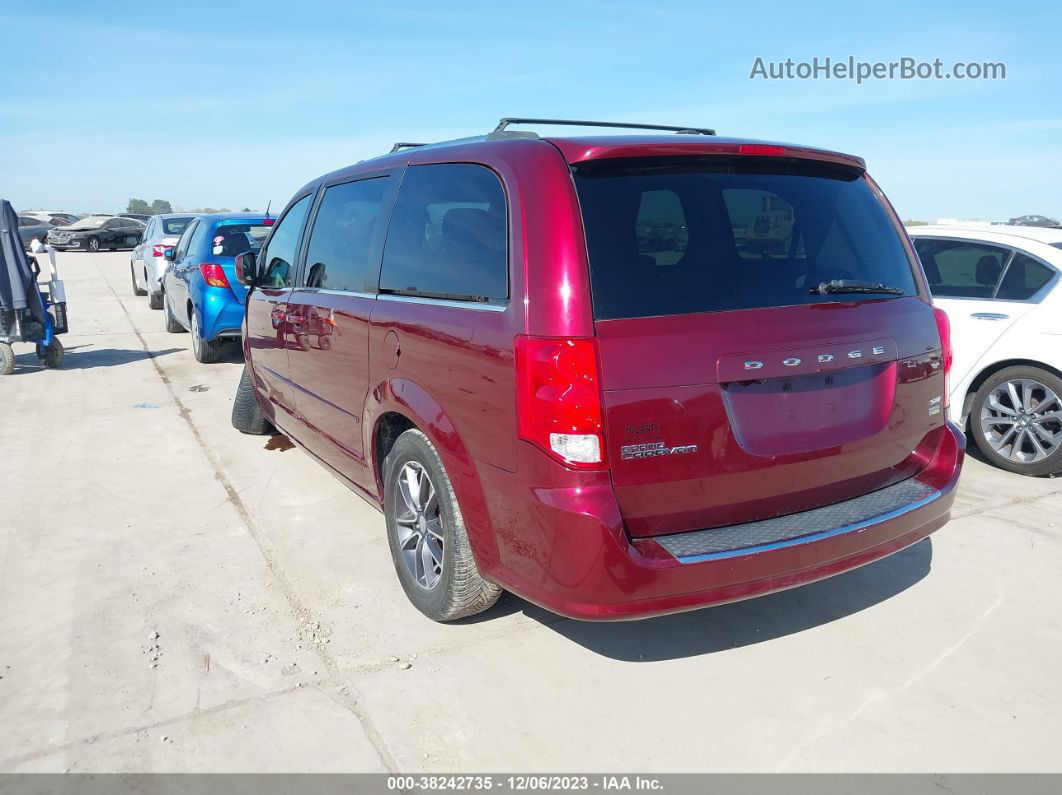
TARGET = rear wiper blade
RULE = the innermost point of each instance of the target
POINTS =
(846, 286)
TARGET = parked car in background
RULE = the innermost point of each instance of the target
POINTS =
(608, 423)
(999, 286)
(148, 262)
(55, 219)
(200, 292)
(95, 232)
(1034, 220)
(30, 228)
(143, 218)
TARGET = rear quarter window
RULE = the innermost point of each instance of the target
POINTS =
(447, 236)
(1025, 277)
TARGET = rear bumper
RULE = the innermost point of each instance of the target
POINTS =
(565, 547)
(220, 314)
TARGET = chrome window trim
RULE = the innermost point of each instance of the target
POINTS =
(333, 291)
(417, 299)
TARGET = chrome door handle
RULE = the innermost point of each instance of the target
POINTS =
(990, 316)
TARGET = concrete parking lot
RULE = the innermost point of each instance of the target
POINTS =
(175, 596)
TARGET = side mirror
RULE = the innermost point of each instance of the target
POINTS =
(167, 253)
(246, 268)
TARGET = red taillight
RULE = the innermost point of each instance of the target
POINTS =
(268, 222)
(760, 149)
(159, 251)
(213, 274)
(944, 329)
(558, 399)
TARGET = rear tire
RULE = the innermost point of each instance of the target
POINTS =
(172, 324)
(429, 543)
(1016, 421)
(247, 416)
(205, 351)
(132, 275)
(154, 300)
(7, 359)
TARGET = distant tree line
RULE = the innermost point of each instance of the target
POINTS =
(162, 206)
(142, 207)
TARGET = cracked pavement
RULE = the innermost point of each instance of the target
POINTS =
(176, 597)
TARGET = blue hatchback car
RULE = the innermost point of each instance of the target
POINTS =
(200, 292)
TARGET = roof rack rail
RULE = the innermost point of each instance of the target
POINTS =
(405, 145)
(623, 124)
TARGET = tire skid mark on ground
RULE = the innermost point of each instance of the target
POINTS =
(1005, 504)
(115, 734)
(345, 694)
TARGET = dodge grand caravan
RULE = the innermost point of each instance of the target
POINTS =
(618, 376)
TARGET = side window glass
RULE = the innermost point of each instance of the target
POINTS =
(279, 258)
(448, 235)
(340, 244)
(1023, 279)
(195, 243)
(959, 269)
(182, 244)
(661, 227)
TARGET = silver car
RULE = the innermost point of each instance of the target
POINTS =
(147, 263)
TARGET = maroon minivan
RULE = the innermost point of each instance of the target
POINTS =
(618, 376)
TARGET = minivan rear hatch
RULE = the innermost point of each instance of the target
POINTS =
(765, 345)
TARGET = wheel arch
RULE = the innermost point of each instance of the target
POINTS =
(399, 404)
(989, 371)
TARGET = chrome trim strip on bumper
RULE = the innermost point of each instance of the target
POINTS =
(683, 546)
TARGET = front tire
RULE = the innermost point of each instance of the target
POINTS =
(1016, 421)
(132, 275)
(427, 536)
(52, 356)
(92, 244)
(247, 414)
(205, 351)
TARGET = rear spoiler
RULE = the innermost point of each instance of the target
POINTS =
(576, 151)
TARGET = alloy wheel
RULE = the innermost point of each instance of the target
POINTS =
(196, 341)
(1021, 419)
(419, 525)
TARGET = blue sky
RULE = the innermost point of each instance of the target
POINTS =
(235, 104)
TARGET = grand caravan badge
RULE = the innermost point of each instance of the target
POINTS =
(654, 449)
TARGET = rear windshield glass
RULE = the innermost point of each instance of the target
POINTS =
(175, 226)
(685, 235)
(231, 238)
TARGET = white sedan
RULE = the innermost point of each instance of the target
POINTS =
(1000, 288)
